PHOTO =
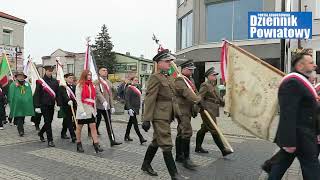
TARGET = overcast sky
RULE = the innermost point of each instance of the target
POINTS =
(65, 24)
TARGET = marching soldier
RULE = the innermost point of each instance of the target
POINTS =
(105, 103)
(211, 102)
(68, 99)
(160, 109)
(186, 99)
(45, 99)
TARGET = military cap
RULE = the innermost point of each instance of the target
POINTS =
(49, 67)
(68, 75)
(163, 55)
(210, 71)
(187, 64)
(20, 73)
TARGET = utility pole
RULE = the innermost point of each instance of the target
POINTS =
(282, 41)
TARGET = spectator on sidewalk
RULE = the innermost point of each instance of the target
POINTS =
(2, 108)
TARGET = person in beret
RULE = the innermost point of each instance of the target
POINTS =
(160, 110)
(186, 98)
(20, 101)
(66, 100)
(211, 102)
(45, 98)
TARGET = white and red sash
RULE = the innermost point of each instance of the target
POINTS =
(303, 80)
(317, 87)
(135, 90)
(70, 93)
(105, 85)
(189, 83)
(46, 88)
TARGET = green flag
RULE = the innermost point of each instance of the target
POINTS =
(4, 71)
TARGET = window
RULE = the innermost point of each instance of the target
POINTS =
(186, 31)
(132, 67)
(318, 10)
(151, 67)
(70, 68)
(144, 67)
(234, 24)
(6, 37)
(180, 2)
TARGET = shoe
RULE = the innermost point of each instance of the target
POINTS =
(171, 165)
(51, 144)
(127, 138)
(21, 134)
(146, 166)
(1, 128)
(201, 150)
(73, 140)
(41, 137)
(79, 147)
(187, 163)
(97, 147)
(266, 166)
(226, 152)
(37, 128)
(142, 141)
(180, 159)
(64, 137)
(98, 133)
(115, 143)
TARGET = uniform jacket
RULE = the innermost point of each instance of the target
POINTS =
(89, 110)
(297, 114)
(210, 97)
(41, 97)
(186, 98)
(103, 95)
(160, 101)
(133, 100)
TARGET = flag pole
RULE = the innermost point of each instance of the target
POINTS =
(74, 116)
(224, 140)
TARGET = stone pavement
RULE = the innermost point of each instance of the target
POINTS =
(27, 158)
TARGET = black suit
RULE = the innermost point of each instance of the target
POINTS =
(63, 103)
(297, 128)
(44, 101)
(133, 101)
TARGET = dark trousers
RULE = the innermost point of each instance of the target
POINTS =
(107, 121)
(47, 112)
(36, 119)
(19, 121)
(133, 121)
(307, 156)
(202, 132)
(67, 123)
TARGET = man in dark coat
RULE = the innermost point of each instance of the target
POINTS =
(45, 103)
(298, 128)
(66, 100)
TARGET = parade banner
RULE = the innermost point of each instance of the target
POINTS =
(251, 91)
(280, 25)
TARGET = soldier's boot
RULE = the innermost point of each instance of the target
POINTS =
(97, 147)
(187, 163)
(199, 141)
(146, 166)
(171, 165)
(220, 145)
(179, 153)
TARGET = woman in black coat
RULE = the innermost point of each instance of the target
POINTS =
(133, 100)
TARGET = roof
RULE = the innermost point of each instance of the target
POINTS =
(13, 18)
(136, 58)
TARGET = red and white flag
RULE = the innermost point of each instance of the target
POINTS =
(62, 81)
(224, 61)
(90, 64)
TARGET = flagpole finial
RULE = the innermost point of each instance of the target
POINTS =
(88, 39)
(58, 58)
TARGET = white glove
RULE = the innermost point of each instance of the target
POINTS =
(131, 112)
(70, 103)
(105, 105)
(57, 108)
(84, 114)
(112, 110)
(38, 110)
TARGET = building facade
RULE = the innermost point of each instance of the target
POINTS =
(12, 39)
(126, 67)
(203, 24)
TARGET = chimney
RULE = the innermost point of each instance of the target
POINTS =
(128, 53)
(141, 56)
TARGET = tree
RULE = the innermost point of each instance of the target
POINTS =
(102, 50)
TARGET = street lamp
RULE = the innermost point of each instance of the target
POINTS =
(18, 51)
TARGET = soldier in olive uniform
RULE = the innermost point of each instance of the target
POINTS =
(186, 99)
(211, 102)
(160, 109)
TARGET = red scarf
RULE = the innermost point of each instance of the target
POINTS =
(88, 96)
(135, 90)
